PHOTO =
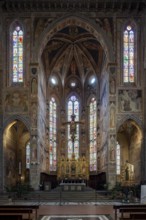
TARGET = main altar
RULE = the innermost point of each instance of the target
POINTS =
(73, 169)
(73, 173)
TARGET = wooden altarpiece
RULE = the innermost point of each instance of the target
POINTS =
(73, 169)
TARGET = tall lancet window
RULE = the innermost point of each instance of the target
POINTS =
(73, 127)
(52, 133)
(118, 161)
(92, 134)
(129, 53)
(28, 155)
(17, 54)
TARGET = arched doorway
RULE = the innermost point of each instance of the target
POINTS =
(15, 147)
(73, 59)
(129, 137)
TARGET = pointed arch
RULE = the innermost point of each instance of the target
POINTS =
(15, 150)
(21, 118)
(130, 117)
(80, 21)
(130, 139)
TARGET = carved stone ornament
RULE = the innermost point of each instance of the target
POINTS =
(34, 70)
(74, 5)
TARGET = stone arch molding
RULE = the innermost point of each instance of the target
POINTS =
(137, 120)
(16, 117)
(80, 21)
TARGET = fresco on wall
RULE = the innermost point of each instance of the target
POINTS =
(130, 100)
(112, 147)
(103, 159)
(34, 149)
(16, 101)
(34, 114)
(112, 88)
(34, 87)
(10, 159)
(104, 113)
(104, 100)
(112, 115)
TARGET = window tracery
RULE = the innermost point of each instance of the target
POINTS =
(92, 134)
(73, 109)
(17, 53)
(118, 160)
(52, 133)
(28, 155)
(129, 53)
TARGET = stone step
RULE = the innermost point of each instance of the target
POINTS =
(55, 195)
(4, 198)
(73, 196)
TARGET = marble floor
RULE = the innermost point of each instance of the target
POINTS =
(87, 211)
(77, 217)
(69, 209)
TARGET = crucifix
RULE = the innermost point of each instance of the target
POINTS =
(73, 129)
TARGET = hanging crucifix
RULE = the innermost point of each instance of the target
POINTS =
(73, 129)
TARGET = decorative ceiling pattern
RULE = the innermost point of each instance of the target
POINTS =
(131, 131)
(73, 5)
(73, 52)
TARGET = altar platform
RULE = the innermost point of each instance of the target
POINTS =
(72, 185)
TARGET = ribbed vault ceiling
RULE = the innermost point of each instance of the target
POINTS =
(73, 51)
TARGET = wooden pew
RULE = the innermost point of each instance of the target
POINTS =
(14, 210)
(134, 211)
(8, 217)
(138, 216)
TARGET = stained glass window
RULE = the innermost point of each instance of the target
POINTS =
(128, 55)
(17, 54)
(118, 162)
(92, 134)
(73, 132)
(52, 134)
(28, 155)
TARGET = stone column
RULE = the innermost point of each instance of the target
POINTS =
(34, 157)
(1, 162)
(143, 151)
(35, 175)
(34, 164)
(1, 113)
(111, 172)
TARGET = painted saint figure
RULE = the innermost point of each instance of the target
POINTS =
(34, 86)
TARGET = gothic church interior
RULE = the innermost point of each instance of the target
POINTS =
(72, 92)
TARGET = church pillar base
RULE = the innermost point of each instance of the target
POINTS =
(111, 181)
(35, 177)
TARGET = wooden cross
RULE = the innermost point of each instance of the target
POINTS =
(73, 125)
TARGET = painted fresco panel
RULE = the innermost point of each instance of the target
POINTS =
(16, 101)
(130, 100)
